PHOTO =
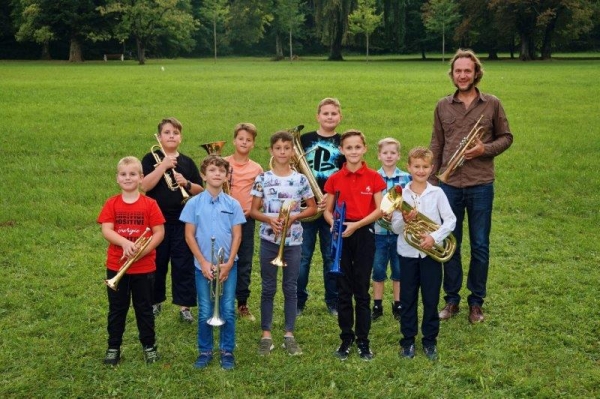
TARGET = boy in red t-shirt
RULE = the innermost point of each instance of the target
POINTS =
(124, 218)
(360, 188)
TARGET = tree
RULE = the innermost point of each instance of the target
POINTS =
(364, 20)
(249, 19)
(217, 11)
(148, 20)
(288, 18)
(331, 18)
(441, 16)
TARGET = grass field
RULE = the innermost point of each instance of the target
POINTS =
(66, 126)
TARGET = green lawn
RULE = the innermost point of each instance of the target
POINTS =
(66, 126)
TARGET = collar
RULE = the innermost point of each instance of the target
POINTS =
(480, 96)
(428, 188)
(397, 173)
(360, 170)
(213, 200)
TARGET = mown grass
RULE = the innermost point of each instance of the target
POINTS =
(66, 126)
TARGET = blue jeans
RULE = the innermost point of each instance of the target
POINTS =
(478, 202)
(386, 250)
(309, 240)
(226, 309)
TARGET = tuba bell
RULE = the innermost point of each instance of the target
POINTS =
(458, 158)
(142, 242)
(300, 165)
(414, 229)
(216, 287)
(215, 148)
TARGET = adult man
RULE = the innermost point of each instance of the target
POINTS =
(469, 187)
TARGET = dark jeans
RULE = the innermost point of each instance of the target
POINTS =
(357, 263)
(136, 288)
(244, 262)
(426, 274)
(183, 279)
(309, 240)
(478, 202)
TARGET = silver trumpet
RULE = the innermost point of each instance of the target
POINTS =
(216, 287)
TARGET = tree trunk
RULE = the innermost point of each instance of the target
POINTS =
(278, 48)
(367, 47)
(525, 53)
(141, 50)
(46, 51)
(215, 37)
(75, 53)
(291, 48)
(335, 50)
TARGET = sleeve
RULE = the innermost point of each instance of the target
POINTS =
(306, 191)
(503, 138)
(330, 184)
(187, 214)
(257, 187)
(106, 213)
(437, 143)
(238, 213)
(148, 163)
(448, 218)
(379, 184)
(397, 222)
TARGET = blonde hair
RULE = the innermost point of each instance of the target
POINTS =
(130, 160)
(249, 127)
(423, 153)
(329, 101)
(388, 141)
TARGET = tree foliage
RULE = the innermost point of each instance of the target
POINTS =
(288, 18)
(441, 17)
(217, 13)
(331, 17)
(364, 20)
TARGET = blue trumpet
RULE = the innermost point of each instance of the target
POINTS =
(339, 216)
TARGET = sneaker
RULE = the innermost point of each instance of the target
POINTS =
(203, 360)
(343, 351)
(332, 310)
(407, 352)
(151, 354)
(112, 357)
(450, 310)
(265, 346)
(377, 312)
(364, 352)
(396, 311)
(186, 316)
(227, 360)
(291, 346)
(156, 308)
(299, 311)
(430, 352)
(475, 314)
(244, 313)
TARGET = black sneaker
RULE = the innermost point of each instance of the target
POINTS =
(332, 310)
(396, 311)
(112, 357)
(407, 352)
(344, 350)
(151, 354)
(377, 312)
(185, 315)
(364, 352)
(156, 309)
(430, 352)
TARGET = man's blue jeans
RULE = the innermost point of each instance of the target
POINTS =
(477, 201)
(309, 240)
(226, 309)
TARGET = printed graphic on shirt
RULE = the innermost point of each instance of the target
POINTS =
(323, 157)
(125, 223)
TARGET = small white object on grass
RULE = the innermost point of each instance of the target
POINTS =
(162, 68)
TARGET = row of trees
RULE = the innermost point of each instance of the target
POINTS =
(169, 28)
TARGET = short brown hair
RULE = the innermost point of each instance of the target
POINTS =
(351, 133)
(386, 141)
(173, 121)
(423, 153)
(130, 160)
(213, 160)
(329, 101)
(249, 127)
(466, 53)
(282, 135)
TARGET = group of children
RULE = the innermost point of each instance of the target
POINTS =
(213, 221)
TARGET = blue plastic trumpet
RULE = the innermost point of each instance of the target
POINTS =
(339, 217)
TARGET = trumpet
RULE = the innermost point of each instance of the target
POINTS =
(458, 158)
(284, 213)
(414, 229)
(171, 183)
(216, 287)
(300, 165)
(215, 148)
(339, 217)
(142, 242)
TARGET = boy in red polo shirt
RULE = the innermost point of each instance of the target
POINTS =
(360, 188)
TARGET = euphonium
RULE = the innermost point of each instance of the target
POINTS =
(171, 183)
(300, 165)
(284, 213)
(142, 242)
(458, 158)
(216, 287)
(215, 148)
(339, 217)
(414, 230)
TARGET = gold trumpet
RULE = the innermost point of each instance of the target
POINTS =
(458, 158)
(171, 182)
(215, 148)
(300, 165)
(216, 287)
(142, 242)
(284, 213)
(414, 229)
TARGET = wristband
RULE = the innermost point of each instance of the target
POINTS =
(188, 186)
